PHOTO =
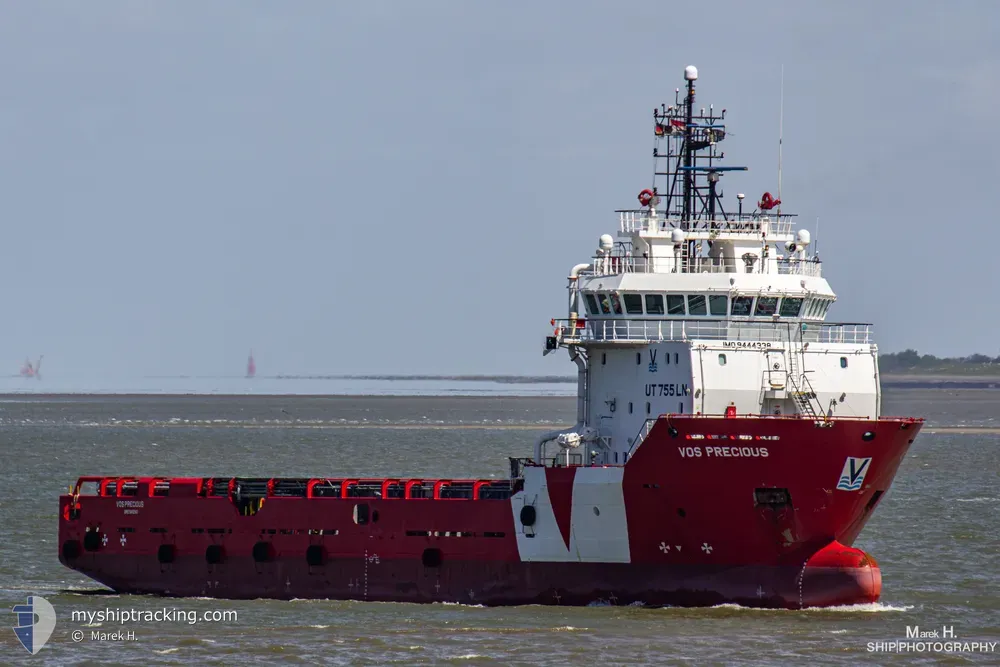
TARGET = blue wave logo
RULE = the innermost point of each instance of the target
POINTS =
(853, 474)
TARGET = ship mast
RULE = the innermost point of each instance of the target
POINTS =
(687, 157)
(690, 75)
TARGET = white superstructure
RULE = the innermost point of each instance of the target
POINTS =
(695, 310)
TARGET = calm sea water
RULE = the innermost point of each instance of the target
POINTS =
(935, 536)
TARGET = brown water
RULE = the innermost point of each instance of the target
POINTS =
(935, 536)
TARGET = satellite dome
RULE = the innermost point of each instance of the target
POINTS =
(606, 242)
(690, 73)
(677, 236)
(803, 237)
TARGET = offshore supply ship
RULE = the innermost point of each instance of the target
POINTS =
(729, 446)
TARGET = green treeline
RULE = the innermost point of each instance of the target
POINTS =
(911, 361)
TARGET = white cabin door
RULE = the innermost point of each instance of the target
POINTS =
(777, 373)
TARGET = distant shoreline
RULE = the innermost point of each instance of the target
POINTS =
(246, 385)
(502, 379)
(914, 380)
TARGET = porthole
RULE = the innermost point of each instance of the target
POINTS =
(315, 555)
(431, 558)
(215, 554)
(166, 553)
(722, 360)
(638, 358)
(92, 541)
(843, 362)
(263, 552)
(528, 515)
(71, 549)
(647, 407)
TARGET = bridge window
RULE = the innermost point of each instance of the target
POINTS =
(633, 304)
(826, 307)
(696, 304)
(742, 306)
(718, 305)
(605, 303)
(790, 306)
(616, 304)
(654, 304)
(766, 306)
(591, 303)
(675, 304)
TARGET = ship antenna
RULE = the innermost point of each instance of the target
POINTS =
(781, 130)
(690, 75)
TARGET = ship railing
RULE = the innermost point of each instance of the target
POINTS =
(800, 267)
(734, 332)
(236, 489)
(904, 422)
(613, 265)
(644, 430)
(639, 220)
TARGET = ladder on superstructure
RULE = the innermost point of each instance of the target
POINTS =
(802, 392)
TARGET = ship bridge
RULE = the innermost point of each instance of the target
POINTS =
(693, 308)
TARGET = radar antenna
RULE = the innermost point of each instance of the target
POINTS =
(687, 158)
(781, 130)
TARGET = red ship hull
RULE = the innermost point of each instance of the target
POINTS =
(759, 511)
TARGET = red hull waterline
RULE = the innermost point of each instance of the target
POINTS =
(758, 511)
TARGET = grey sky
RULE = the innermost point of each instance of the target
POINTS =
(402, 187)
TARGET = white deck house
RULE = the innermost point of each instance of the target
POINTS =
(699, 311)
